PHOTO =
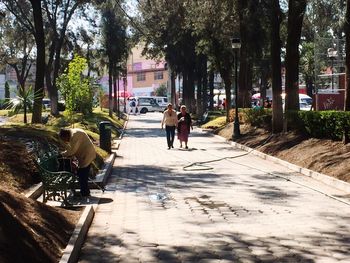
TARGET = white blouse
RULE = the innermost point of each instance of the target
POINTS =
(169, 118)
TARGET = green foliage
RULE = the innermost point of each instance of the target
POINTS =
(76, 88)
(257, 117)
(23, 101)
(215, 123)
(320, 124)
(161, 91)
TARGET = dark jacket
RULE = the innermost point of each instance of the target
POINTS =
(187, 122)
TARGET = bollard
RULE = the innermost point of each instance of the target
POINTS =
(105, 136)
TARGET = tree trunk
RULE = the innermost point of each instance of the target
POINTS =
(54, 91)
(118, 98)
(184, 88)
(199, 101)
(211, 90)
(243, 84)
(114, 98)
(277, 111)
(204, 85)
(226, 75)
(110, 89)
(191, 89)
(347, 59)
(296, 12)
(173, 88)
(40, 60)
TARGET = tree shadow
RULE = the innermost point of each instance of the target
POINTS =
(225, 247)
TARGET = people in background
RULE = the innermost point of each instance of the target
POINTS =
(80, 146)
(170, 121)
(224, 103)
(184, 125)
(132, 106)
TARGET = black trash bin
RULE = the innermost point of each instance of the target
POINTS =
(105, 136)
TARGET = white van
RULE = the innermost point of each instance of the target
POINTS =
(162, 101)
(146, 104)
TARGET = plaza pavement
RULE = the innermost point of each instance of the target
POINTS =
(242, 209)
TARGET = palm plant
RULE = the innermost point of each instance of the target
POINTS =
(23, 101)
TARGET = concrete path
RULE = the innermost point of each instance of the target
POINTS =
(245, 209)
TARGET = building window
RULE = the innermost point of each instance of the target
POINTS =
(158, 75)
(141, 76)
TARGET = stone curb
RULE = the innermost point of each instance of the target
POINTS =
(72, 250)
(329, 180)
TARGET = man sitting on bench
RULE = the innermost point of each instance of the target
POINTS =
(80, 146)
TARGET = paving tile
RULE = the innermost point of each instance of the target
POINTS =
(236, 212)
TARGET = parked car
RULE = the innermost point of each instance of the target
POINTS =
(47, 104)
(305, 106)
(162, 101)
(147, 104)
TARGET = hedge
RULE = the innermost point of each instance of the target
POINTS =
(320, 124)
(317, 124)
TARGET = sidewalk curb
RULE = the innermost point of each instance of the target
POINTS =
(72, 251)
(329, 180)
(116, 142)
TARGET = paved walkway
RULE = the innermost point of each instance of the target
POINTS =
(243, 210)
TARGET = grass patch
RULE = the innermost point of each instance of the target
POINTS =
(215, 123)
(4, 113)
(20, 143)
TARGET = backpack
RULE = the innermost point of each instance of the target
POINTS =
(133, 104)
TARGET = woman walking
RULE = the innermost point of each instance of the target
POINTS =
(170, 121)
(184, 126)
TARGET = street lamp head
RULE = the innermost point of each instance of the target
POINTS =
(236, 43)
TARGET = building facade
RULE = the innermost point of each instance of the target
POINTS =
(145, 75)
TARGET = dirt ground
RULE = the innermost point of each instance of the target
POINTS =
(29, 230)
(320, 155)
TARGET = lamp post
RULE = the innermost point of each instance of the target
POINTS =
(332, 54)
(236, 45)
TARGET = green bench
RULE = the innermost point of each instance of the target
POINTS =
(56, 182)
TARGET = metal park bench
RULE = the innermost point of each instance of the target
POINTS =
(57, 178)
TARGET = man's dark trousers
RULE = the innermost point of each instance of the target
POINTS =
(83, 177)
(170, 135)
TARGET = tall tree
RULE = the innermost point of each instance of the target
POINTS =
(296, 10)
(40, 60)
(30, 16)
(253, 39)
(171, 37)
(347, 59)
(275, 22)
(16, 47)
(58, 14)
(115, 44)
(214, 24)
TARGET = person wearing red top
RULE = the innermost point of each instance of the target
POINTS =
(184, 126)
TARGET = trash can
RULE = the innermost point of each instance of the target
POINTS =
(105, 135)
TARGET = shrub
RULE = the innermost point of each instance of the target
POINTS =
(257, 117)
(320, 124)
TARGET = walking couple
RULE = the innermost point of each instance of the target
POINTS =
(181, 121)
